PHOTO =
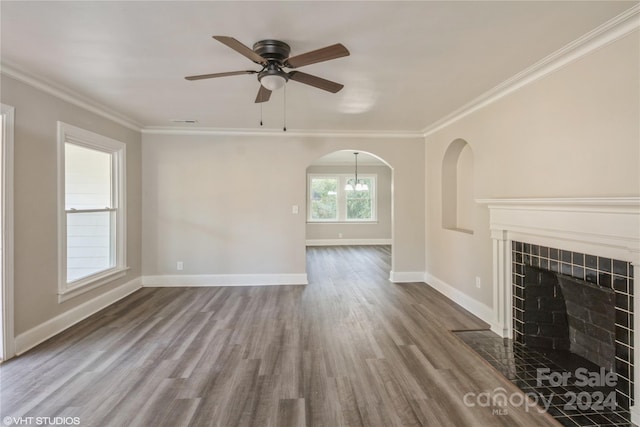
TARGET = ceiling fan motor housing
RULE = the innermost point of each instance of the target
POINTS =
(272, 50)
(276, 53)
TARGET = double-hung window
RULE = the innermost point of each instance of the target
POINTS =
(92, 230)
(332, 199)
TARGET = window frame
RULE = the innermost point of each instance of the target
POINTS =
(341, 198)
(71, 134)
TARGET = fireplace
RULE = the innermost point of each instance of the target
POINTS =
(584, 243)
(570, 301)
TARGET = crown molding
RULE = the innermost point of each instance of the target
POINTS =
(607, 33)
(67, 95)
(165, 130)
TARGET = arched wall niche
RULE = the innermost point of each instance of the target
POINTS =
(457, 187)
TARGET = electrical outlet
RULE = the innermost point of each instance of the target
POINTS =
(179, 265)
(478, 282)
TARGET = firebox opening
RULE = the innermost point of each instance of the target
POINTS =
(565, 313)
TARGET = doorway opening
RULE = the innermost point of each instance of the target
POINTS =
(349, 201)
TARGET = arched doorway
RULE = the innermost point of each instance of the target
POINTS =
(341, 214)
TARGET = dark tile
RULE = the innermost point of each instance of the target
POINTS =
(554, 254)
(535, 250)
(567, 422)
(518, 291)
(623, 401)
(565, 256)
(578, 272)
(622, 318)
(622, 351)
(526, 248)
(554, 266)
(620, 284)
(578, 259)
(566, 269)
(544, 264)
(598, 419)
(620, 267)
(516, 246)
(604, 264)
(535, 261)
(591, 276)
(591, 261)
(544, 252)
(622, 368)
(622, 301)
(623, 384)
(604, 280)
(617, 418)
(622, 335)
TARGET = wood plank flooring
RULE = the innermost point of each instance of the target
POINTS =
(349, 349)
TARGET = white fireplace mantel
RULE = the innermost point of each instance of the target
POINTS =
(602, 226)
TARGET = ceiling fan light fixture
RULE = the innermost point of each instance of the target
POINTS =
(273, 81)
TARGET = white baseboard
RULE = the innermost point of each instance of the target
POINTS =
(347, 242)
(406, 276)
(51, 327)
(475, 307)
(204, 280)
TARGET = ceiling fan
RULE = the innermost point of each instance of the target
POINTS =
(273, 56)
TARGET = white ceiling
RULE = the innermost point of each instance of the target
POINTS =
(411, 63)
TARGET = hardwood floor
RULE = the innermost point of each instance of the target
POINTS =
(349, 349)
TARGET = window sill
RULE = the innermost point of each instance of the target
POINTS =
(460, 230)
(343, 222)
(90, 283)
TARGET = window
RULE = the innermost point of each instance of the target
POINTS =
(92, 210)
(330, 202)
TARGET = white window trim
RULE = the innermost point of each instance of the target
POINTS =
(85, 138)
(342, 198)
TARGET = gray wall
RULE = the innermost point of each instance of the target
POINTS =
(574, 133)
(35, 201)
(381, 229)
(222, 204)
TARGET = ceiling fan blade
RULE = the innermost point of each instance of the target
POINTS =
(241, 49)
(319, 55)
(314, 81)
(211, 76)
(263, 94)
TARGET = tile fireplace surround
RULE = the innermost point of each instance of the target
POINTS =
(602, 227)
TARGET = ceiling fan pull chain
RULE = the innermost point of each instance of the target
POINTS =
(284, 128)
(260, 113)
